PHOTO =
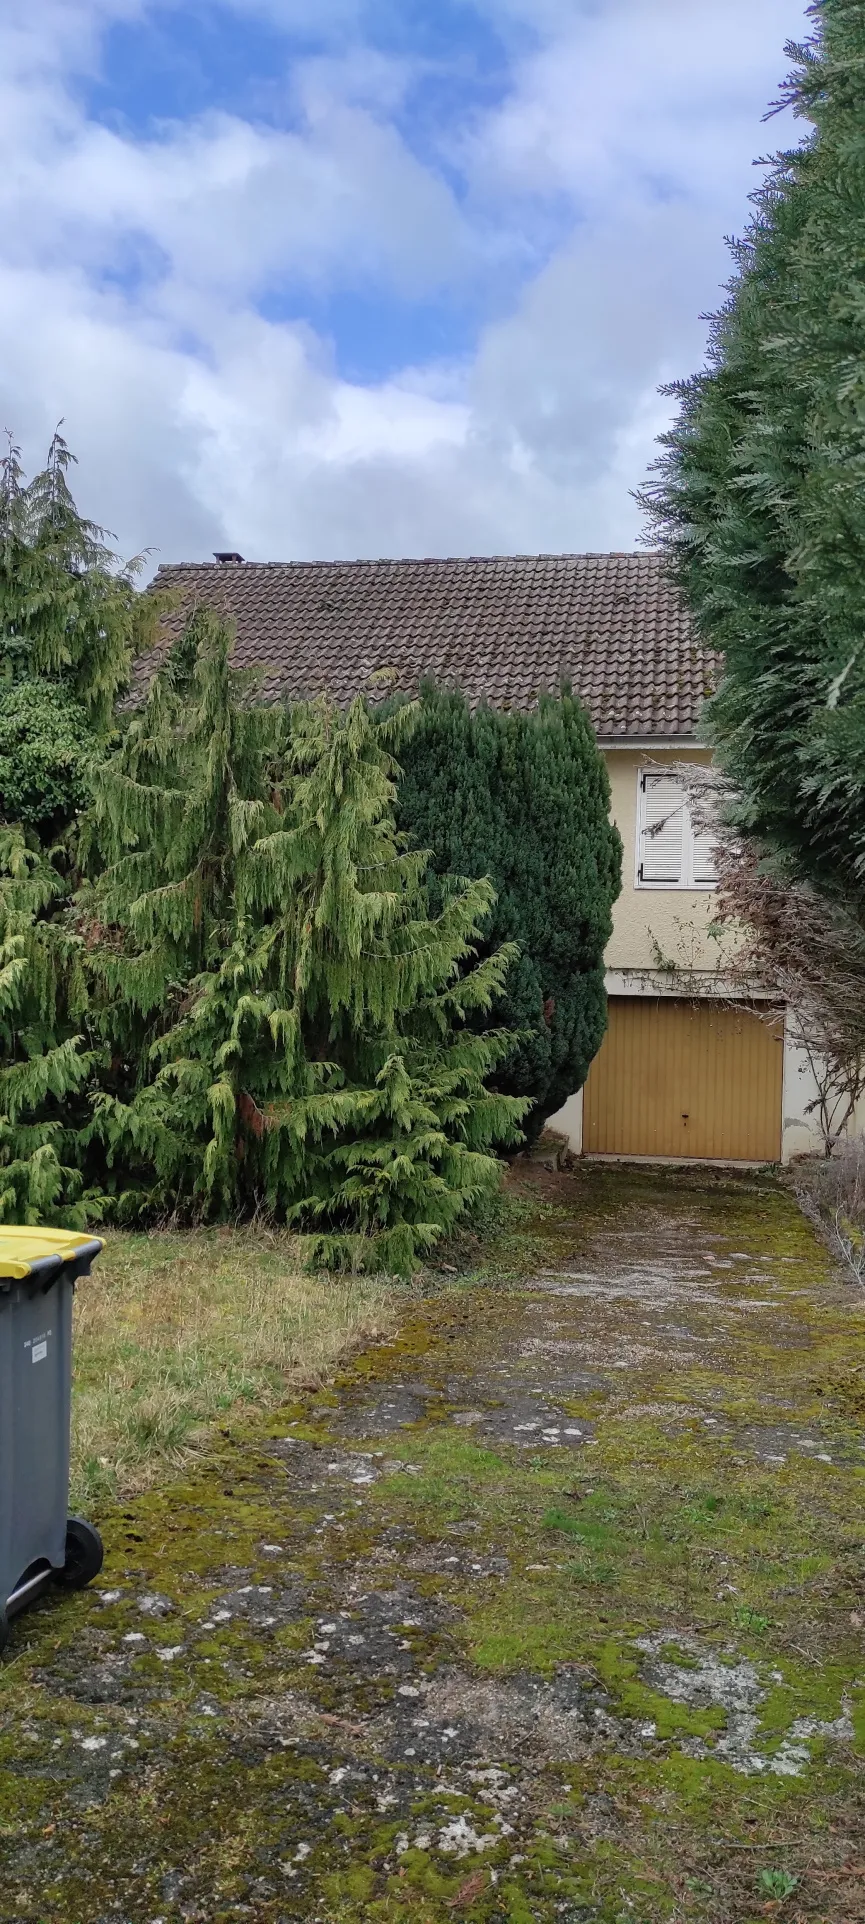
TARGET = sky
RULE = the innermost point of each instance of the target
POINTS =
(338, 278)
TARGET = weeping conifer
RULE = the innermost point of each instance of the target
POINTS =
(70, 613)
(304, 1047)
(172, 806)
(44, 1065)
(70, 620)
(195, 774)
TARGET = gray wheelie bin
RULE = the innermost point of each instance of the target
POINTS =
(39, 1542)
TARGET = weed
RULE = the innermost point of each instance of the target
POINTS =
(745, 1618)
(595, 1531)
(585, 1572)
(705, 1509)
(777, 1884)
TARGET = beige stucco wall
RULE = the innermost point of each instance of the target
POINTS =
(677, 918)
(676, 922)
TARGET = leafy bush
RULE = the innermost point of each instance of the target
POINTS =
(47, 747)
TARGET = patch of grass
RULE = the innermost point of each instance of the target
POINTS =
(173, 1331)
(595, 1529)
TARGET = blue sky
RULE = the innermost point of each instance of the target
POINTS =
(339, 277)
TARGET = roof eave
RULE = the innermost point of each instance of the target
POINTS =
(651, 742)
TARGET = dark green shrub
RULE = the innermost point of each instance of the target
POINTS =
(524, 799)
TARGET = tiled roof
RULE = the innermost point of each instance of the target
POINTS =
(502, 629)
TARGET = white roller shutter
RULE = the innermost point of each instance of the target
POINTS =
(662, 840)
(705, 865)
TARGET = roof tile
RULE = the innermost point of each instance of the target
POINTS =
(503, 629)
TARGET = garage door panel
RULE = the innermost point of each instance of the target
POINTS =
(686, 1079)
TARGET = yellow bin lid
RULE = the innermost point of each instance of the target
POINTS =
(43, 1252)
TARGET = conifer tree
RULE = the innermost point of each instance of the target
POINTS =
(44, 1065)
(69, 622)
(524, 799)
(195, 774)
(306, 1047)
(70, 613)
(759, 495)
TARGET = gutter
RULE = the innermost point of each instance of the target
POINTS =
(648, 745)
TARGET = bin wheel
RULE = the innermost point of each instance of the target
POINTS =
(4, 1630)
(84, 1554)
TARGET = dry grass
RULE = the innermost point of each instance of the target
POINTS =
(174, 1330)
(832, 1193)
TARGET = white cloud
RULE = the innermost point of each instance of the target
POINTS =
(235, 207)
(41, 36)
(131, 270)
(227, 205)
(634, 98)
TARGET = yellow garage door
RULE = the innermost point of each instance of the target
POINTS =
(685, 1079)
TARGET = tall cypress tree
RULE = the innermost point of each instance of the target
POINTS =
(306, 1046)
(524, 799)
(759, 495)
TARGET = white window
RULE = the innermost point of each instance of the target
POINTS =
(671, 853)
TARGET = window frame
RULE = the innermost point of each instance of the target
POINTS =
(686, 885)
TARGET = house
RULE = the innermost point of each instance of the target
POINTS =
(683, 1073)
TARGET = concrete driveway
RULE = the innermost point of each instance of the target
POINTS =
(549, 1609)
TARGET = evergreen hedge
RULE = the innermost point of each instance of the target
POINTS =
(759, 496)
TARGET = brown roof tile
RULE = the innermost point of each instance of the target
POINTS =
(503, 629)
